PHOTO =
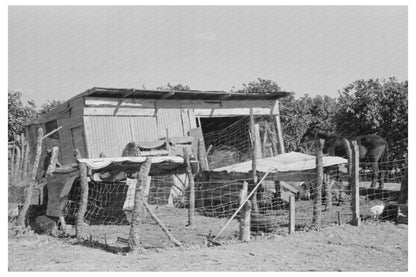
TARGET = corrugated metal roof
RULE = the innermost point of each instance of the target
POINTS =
(292, 161)
(180, 95)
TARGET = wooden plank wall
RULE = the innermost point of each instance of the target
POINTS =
(65, 134)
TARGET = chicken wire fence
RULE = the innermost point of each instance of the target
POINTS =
(229, 145)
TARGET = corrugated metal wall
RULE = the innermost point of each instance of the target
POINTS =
(110, 134)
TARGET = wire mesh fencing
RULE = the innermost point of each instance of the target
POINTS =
(229, 145)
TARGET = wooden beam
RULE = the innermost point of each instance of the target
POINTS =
(245, 215)
(317, 204)
(279, 133)
(29, 189)
(355, 184)
(254, 144)
(137, 213)
(292, 219)
(191, 210)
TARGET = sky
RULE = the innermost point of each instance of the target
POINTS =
(58, 52)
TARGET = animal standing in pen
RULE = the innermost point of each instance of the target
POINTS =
(372, 149)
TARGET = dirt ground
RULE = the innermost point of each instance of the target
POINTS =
(377, 246)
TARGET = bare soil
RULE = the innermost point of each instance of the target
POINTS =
(373, 246)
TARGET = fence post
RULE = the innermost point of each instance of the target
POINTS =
(279, 132)
(350, 160)
(292, 219)
(403, 196)
(29, 188)
(327, 188)
(83, 202)
(22, 153)
(253, 159)
(191, 210)
(245, 214)
(355, 184)
(17, 161)
(26, 160)
(317, 205)
(138, 208)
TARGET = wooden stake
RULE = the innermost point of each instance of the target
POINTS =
(259, 152)
(241, 205)
(191, 210)
(292, 219)
(339, 217)
(348, 150)
(245, 214)
(202, 155)
(13, 158)
(83, 202)
(137, 213)
(355, 185)
(279, 130)
(16, 171)
(327, 188)
(263, 145)
(22, 155)
(29, 189)
(317, 207)
(254, 143)
(161, 224)
(28, 150)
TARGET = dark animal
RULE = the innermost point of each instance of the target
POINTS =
(373, 149)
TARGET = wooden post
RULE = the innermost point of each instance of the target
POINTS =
(350, 161)
(317, 207)
(254, 159)
(13, 157)
(17, 164)
(137, 213)
(339, 217)
(29, 188)
(22, 155)
(245, 214)
(404, 192)
(191, 211)
(202, 155)
(26, 160)
(355, 184)
(259, 152)
(83, 202)
(279, 130)
(161, 224)
(292, 219)
(327, 188)
(264, 142)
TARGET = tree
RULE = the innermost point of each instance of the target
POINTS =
(49, 106)
(177, 87)
(18, 114)
(376, 107)
(295, 114)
